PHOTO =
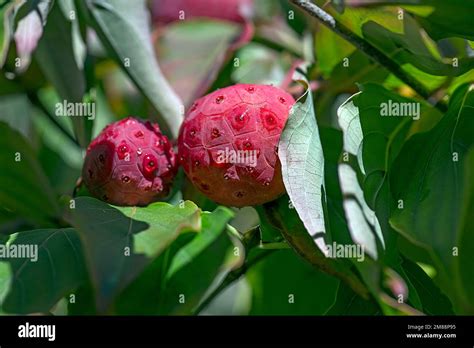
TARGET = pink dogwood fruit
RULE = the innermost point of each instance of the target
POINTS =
(173, 10)
(129, 163)
(228, 144)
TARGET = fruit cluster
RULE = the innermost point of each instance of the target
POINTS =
(227, 146)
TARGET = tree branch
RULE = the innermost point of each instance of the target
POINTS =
(366, 47)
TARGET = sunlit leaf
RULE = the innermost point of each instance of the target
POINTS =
(302, 164)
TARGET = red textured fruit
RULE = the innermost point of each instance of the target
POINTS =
(172, 10)
(228, 144)
(129, 163)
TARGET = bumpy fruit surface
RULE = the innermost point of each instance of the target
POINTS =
(173, 10)
(228, 144)
(129, 163)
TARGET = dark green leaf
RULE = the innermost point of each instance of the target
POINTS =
(24, 188)
(286, 220)
(430, 181)
(331, 49)
(120, 242)
(124, 29)
(282, 284)
(411, 48)
(196, 264)
(466, 236)
(144, 295)
(434, 302)
(331, 140)
(56, 58)
(36, 284)
(446, 19)
(16, 111)
(349, 303)
(376, 140)
(400, 37)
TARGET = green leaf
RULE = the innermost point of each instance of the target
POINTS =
(56, 58)
(55, 269)
(283, 284)
(466, 236)
(446, 19)
(349, 303)
(355, 18)
(13, 105)
(24, 188)
(349, 121)
(57, 170)
(213, 225)
(411, 48)
(196, 264)
(344, 78)
(259, 64)
(302, 165)
(84, 303)
(362, 221)
(143, 296)
(79, 47)
(374, 138)
(330, 49)
(245, 219)
(376, 141)
(297, 22)
(207, 41)
(363, 224)
(193, 263)
(268, 232)
(58, 138)
(120, 242)
(124, 29)
(331, 140)
(361, 69)
(370, 270)
(286, 220)
(434, 302)
(430, 179)
(5, 283)
(431, 82)
(401, 39)
(440, 18)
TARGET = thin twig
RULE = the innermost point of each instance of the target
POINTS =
(366, 47)
(274, 246)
